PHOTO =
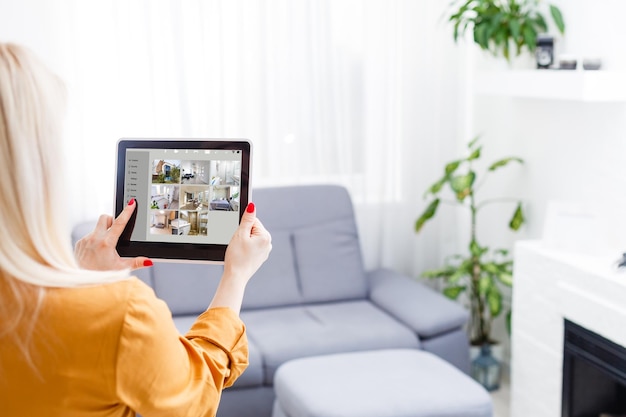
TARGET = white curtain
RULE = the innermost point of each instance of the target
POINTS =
(365, 93)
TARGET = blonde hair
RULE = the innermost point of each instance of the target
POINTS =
(35, 248)
(36, 245)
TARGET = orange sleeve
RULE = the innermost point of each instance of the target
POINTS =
(161, 373)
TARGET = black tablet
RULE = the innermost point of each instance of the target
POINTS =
(190, 196)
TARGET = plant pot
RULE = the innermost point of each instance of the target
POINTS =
(497, 350)
(486, 369)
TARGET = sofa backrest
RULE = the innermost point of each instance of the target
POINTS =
(316, 255)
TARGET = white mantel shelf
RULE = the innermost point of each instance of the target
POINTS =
(551, 286)
(573, 85)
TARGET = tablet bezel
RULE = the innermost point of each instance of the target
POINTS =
(169, 251)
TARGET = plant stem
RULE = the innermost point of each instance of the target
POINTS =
(479, 330)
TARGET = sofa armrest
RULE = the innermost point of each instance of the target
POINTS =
(426, 311)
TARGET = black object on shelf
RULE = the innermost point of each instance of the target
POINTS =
(544, 54)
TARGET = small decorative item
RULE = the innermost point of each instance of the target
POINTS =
(486, 369)
(592, 63)
(567, 62)
(545, 51)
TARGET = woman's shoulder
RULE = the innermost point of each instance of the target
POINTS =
(99, 298)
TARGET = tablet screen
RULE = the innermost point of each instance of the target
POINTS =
(190, 196)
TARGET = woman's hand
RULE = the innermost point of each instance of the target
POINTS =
(96, 251)
(249, 247)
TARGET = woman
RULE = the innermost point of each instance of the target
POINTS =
(79, 336)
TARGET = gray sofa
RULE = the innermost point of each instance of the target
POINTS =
(313, 296)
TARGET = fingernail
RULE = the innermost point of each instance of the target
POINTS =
(250, 208)
(131, 202)
(147, 262)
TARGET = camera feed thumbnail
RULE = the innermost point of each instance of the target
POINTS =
(195, 172)
(165, 197)
(165, 171)
(178, 223)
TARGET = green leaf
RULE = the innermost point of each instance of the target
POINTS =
(494, 299)
(518, 218)
(494, 25)
(474, 155)
(541, 23)
(455, 33)
(454, 291)
(530, 37)
(446, 271)
(515, 29)
(473, 142)
(426, 215)
(480, 36)
(462, 184)
(475, 249)
(484, 284)
(451, 167)
(456, 276)
(466, 266)
(558, 18)
(491, 267)
(436, 187)
(504, 162)
(500, 37)
(502, 252)
(505, 278)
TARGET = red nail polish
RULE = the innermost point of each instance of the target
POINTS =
(147, 262)
(132, 200)
(250, 208)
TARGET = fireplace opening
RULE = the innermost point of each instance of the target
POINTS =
(594, 374)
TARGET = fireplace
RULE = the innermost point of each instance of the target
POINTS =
(594, 374)
(551, 287)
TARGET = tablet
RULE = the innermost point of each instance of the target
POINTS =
(190, 196)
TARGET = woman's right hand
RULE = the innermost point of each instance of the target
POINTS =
(249, 247)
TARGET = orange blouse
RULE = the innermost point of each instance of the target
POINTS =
(113, 350)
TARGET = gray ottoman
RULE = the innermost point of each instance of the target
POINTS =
(383, 383)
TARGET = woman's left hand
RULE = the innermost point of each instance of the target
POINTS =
(96, 251)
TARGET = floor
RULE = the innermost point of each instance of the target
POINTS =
(502, 398)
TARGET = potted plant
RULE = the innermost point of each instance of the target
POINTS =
(481, 272)
(503, 26)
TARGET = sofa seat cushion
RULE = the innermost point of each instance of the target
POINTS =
(282, 334)
(252, 376)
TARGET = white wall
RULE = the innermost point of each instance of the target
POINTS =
(574, 151)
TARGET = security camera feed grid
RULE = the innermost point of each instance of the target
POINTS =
(184, 192)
